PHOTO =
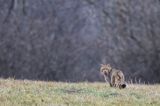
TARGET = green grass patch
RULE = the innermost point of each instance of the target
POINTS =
(39, 93)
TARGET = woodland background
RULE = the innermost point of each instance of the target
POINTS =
(67, 40)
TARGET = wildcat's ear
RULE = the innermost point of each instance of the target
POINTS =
(108, 65)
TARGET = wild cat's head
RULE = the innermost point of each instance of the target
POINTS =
(105, 69)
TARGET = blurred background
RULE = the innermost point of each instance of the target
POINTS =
(67, 40)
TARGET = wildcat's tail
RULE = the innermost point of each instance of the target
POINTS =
(123, 86)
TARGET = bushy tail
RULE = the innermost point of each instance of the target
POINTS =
(123, 86)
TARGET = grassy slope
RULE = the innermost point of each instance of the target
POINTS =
(31, 93)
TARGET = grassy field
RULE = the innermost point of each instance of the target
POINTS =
(38, 93)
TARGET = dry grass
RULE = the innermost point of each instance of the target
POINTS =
(38, 93)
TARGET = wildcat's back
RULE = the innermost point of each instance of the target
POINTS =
(117, 78)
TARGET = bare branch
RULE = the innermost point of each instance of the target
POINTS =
(9, 11)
